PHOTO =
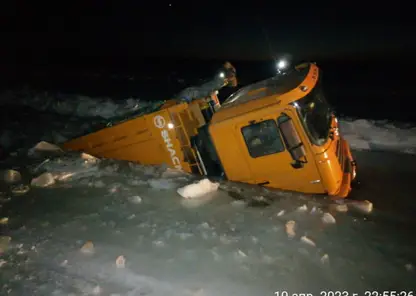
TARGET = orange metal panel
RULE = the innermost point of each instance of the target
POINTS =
(149, 139)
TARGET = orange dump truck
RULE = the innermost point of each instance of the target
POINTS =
(279, 133)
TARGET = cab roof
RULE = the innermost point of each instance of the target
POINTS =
(281, 89)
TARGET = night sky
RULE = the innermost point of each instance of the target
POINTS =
(75, 33)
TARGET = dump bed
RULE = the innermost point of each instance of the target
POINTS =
(161, 137)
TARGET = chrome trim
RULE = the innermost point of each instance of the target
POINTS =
(200, 161)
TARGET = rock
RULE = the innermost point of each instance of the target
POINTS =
(11, 176)
(198, 189)
(44, 180)
(135, 199)
(327, 218)
(44, 147)
(281, 213)
(303, 208)
(89, 158)
(260, 198)
(342, 208)
(88, 248)
(290, 228)
(158, 243)
(325, 259)
(20, 189)
(363, 206)
(307, 241)
(121, 262)
(205, 225)
(64, 263)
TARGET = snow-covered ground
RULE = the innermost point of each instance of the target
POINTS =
(379, 135)
(81, 112)
(72, 224)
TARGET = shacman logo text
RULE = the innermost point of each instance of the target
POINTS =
(160, 122)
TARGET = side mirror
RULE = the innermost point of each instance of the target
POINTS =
(292, 141)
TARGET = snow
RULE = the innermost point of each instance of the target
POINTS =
(198, 189)
(44, 180)
(135, 199)
(328, 218)
(362, 134)
(78, 105)
(78, 225)
(363, 206)
(365, 134)
(11, 176)
(97, 232)
(44, 147)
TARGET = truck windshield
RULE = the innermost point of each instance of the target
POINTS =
(315, 115)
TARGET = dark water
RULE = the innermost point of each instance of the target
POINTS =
(378, 89)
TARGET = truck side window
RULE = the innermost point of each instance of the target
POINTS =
(263, 138)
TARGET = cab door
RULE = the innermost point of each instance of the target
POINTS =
(271, 158)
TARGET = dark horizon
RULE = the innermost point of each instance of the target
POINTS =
(153, 50)
(125, 64)
(75, 33)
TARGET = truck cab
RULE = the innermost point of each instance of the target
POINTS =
(279, 133)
